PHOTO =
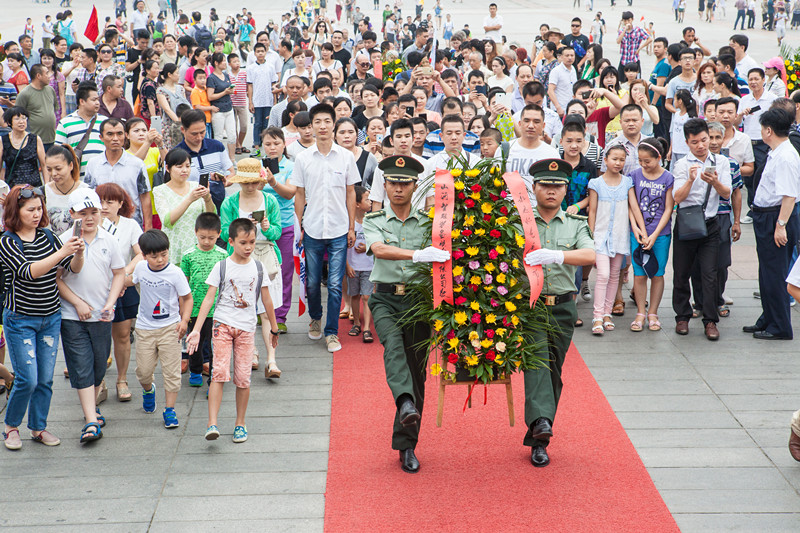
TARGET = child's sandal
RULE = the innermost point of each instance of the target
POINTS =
(653, 325)
(597, 326)
(638, 325)
(608, 325)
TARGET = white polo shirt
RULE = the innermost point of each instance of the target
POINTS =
(740, 148)
(325, 179)
(563, 78)
(93, 283)
(781, 176)
(698, 191)
(750, 124)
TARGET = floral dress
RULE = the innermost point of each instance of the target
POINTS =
(171, 131)
(147, 94)
(55, 79)
(181, 233)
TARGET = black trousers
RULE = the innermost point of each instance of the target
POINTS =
(723, 262)
(773, 267)
(684, 254)
(760, 151)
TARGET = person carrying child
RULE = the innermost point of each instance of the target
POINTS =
(241, 280)
(358, 269)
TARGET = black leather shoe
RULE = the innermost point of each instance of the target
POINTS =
(751, 329)
(767, 336)
(542, 429)
(408, 461)
(408, 413)
(539, 456)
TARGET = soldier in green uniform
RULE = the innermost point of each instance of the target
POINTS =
(567, 243)
(395, 237)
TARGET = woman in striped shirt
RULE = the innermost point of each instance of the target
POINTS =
(31, 255)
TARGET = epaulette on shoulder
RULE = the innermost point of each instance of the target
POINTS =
(422, 212)
(577, 217)
(375, 214)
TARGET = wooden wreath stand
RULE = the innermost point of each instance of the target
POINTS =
(505, 380)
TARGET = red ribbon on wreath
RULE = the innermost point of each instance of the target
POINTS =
(441, 236)
(519, 193)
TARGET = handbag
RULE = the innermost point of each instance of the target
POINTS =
(690, 221)
(270, 261)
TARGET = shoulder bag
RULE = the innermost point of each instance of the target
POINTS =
(690, 221)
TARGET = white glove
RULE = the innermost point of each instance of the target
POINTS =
(544, 256)
(430, 255)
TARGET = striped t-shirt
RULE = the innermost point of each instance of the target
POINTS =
(25, 295)
(70, 130)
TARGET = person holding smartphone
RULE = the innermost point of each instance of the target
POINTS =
(220, 89)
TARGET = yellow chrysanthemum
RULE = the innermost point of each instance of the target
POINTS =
(458, 270)
(487, 288)
(794, 77)
(517, 363)
(472, 173)
(519, 338)
(510, 307)
(494, 170)
(501, 278)
(513, 282)
(515, 321)
(398, 70)
(472, 250)
(485, 343)
(490, 267)
(456, 172)
(436, 369)
(455, 234)
(520, 240)
(469, 220)
(473, 335)
(472, 360)
(480, 232)
(430, 212)
(475, 280)
(500, 249)
(475, 306)
(515, 263)
(502, 221)
(497, 182)
(500, 331)
(453, 343)
(438, 325)
(518, 297)
(486, 207)
(458, 184)
(499, 360)
(491, 319)
(458, 288)
(460, 318)
(475, 196)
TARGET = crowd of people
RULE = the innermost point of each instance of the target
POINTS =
(118, 157)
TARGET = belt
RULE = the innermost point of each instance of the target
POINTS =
(772, 209)
(398, 289)
(555, 299)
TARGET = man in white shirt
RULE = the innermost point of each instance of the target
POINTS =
(631, 119)
(534, 93)
(529, 148)
(744, 62)
(562, 77)
(695, 177)
(739, 146)
(139, 18)
(493, 24)
(325, 176)
(776, 225)
(261, 81)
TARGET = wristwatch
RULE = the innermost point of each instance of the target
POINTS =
(781, 223)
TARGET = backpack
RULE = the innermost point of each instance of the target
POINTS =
(203, 36)
(223, 267)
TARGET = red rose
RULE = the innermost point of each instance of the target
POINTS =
(489, 333)
(469, 203)
(495, 233)
(451, 334)
(476, 318)
(504, 210)
(474, 288)
(493, 197)
(492, 254)
(461, 196)
(505, 321)
(487, 218)
(458, 254)
(490, 355)
(466, 233)
(476, 188)
(452, 358)
(461, 300)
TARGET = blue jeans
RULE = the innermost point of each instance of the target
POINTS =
(33, 345)
(260, 123)
(337, 256)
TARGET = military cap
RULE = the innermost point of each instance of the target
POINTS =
(551, 172)
(401, 169)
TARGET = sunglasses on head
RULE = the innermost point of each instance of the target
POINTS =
(28, 192)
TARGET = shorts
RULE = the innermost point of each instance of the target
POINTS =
(127, 305)
(660, 249)
(154, 346)
(86, 348)
(360, 285)
(227, 339)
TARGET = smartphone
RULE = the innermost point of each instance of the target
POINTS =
(204, 180)
(308, 61)
(481, 89)
(709, 166)
(755, 109)
(233, 86)
(77, 227)
(258, 216)
(504, 100)
(155, 123)
(586, 94)
(426, 71)
(409, 111)
(379, 138)
(271, 164)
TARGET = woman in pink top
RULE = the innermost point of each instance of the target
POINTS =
(199, 61)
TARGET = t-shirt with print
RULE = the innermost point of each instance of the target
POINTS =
(360, 262)
(197, 265)
(652, 198)
(676, 84)
(237, 302)
(159, 292)
(520, 160)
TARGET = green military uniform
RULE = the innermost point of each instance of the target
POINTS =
(566, 233)
(404, 352)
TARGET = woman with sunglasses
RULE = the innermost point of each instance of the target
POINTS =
(31, 256)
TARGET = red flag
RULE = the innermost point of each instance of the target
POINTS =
(92, 27)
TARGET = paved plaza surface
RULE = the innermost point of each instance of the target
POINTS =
(709, 420)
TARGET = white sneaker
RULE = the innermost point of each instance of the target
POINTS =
(315, 330)
(746, 220)
(586, 293)
(728, 300)
(333, 343)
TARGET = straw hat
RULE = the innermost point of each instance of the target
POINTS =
(248, 170)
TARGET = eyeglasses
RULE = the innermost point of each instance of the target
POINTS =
(576, 25)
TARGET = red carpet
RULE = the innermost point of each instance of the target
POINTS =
(475, 473)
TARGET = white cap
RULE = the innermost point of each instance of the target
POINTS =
(84, 198)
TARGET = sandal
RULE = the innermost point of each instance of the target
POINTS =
(367, 337)
(608, 326)
(66, 373)
(272, 370)
(597, 326)
(578, 323)
(724, 311)
(619, 308)
(100, 418)
(653, 325)
(123, 392)
(90, 432)
(245, 150)
(638, 325)
(345, 313)
(238, 151)
(355, 331)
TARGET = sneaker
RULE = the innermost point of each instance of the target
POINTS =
(727, 299)
(212, 433)
(757, 295)
(315, 330)
(333, 343)
(746, 220)
(149, 399)
(792, 302)
(255, 152)
(12, 440)
(239, 434)
(195, 380)
(170, 418)
(282, 328)
(586, 293)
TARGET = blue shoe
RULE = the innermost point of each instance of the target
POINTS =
(212, 433)
(149, 399)
(170, 418)
(195, 380)
(239, 434)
